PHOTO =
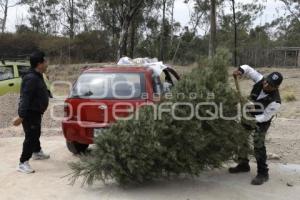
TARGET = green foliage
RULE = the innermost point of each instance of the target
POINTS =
(90, 46)
(94, 44)
(187, 48)
(136, 151)
(53, 19)
(18, 44)
(43, 15)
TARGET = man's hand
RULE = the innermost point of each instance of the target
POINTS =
(17, 121)
(237, 73)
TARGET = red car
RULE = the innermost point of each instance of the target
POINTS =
(101, 95)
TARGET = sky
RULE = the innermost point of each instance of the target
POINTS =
(19, 15)
(273, 10)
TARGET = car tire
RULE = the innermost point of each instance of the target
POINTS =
(77, 148)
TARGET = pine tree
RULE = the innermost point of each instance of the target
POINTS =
(136, 151)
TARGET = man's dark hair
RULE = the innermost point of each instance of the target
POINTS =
(37, 58)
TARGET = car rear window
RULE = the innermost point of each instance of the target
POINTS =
(110, 86)
(6, 73)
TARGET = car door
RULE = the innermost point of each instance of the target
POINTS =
(8, 80)
(23, 70)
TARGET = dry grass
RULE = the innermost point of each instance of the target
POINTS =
(288, 93)
(185, 69)
(289, 97)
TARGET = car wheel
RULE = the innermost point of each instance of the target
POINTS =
(77, 148)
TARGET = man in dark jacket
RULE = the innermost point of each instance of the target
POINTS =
(34, 100)
(266, 98)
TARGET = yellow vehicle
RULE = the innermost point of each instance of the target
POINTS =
(11, 73)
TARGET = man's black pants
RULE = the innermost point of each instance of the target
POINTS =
(32, 128)
(259, 148)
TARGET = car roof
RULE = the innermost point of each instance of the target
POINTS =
(136, 69)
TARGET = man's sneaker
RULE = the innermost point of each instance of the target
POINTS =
(240, 168)
(25, 168)
(260, 179)
(40, 156)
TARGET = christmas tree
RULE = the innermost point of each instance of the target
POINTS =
(136, 151)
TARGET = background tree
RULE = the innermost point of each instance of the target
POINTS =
(131, 8)
(167, 29)
(293, 7)
(171, 7)
(69, 12)
(288, 26)
(245, 15)
(213, 29)
(120, 17)
(162, 34)
(86, 14)
(153, 31)
(43, 16)
(200, 16)
(5, 5)
(109, 17)
(235, 34)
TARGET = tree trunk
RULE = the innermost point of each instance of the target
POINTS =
(235, 34)
(122, 50)
(177, 48)
(114, 22)
(132, 38)
(213, 29)
(131, 14)
(72, 26)
(162, 34)
(4, 16)
(172, 22)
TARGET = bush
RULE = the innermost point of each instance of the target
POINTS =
(136, 151)
(91, 46)
(14, 45)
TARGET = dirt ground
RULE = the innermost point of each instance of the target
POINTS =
(47, 183)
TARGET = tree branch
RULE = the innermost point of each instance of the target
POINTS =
(288, 7)
(136, 8)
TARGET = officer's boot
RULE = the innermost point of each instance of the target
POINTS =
(260, 179)
(240, 168)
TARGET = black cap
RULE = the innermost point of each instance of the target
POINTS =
(274, 79)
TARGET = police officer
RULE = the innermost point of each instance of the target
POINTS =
(34, 100)
(266, 97)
